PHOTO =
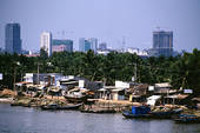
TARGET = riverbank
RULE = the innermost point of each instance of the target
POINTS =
(88, 106)
(6, 100)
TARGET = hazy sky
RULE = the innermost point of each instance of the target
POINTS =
(107, 20)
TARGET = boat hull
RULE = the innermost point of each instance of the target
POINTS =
(186, 118)
(71, 107)
(129, 115)
(151, 115)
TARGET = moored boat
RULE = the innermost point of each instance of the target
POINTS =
(166, 114)
(58, 107)
(187, 118)
(75, 98)
(145, 112)
(137, 112)
(129, 114)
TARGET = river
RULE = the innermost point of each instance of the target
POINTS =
(33, 120)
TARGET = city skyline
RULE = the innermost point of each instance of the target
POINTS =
(108, 21)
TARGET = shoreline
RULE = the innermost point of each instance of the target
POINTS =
(6, 100)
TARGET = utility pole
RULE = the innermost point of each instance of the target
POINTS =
(38, 75)
(135, 72)
(14, 80)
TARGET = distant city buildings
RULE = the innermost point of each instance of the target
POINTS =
(102, 46)
(162, 43)
(137, 51)
(62, 45)
(86, 45)
(46, 42)
(13, 38)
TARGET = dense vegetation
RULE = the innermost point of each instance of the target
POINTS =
(181, 71)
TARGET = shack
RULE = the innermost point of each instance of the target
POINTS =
(137, 93)
(111, 93)
(175, 99)
(196, 101)
(118, 94)
(163, 88)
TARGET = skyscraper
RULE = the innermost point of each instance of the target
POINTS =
(163, 43)
(82, 44)
(46, 42)
(90, 44)
(12, 38)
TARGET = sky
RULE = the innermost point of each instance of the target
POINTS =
(110, 21)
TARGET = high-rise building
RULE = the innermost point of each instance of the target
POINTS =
(102, 46)
(46, 42)
(90, 44)
(62, 45)
(163, 43)
(82, 44)
(12, 38)
(93, 42)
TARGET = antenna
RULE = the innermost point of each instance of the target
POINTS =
(158, 28)
(63, 34)
(123, 42)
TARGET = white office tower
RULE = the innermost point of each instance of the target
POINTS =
(46, 42)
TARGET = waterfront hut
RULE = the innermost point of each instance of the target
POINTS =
(163, 88)
(196, 101)
(175, 99)
(111, 93)
(137, 93)
(118, 94)
(105, 92)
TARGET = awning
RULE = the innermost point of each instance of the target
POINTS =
(118, 89)
(163, 85)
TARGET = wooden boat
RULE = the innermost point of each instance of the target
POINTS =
(144, 112)
(187, 118)
(76, 98)
(165, 115)
(98, 111)
(129, 114)
(58, 107)
(137, 112)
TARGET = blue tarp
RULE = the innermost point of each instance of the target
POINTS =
(140, 110)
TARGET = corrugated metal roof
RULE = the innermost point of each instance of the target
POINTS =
(163, 85)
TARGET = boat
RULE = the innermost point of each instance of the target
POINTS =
(58, 107)
(129, 114)
(145, 112)
(166, 114)
(98, 111)
(75, 98)
(137, 112)
(187, 118)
